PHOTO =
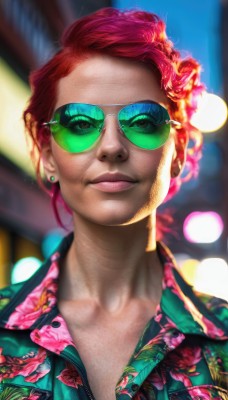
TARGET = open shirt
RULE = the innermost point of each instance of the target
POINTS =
(182, 353)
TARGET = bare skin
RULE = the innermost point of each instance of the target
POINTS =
(106, 333)
(111, 280)
(106, 317)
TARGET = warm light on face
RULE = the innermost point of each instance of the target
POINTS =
(211, 114)
(203, 227)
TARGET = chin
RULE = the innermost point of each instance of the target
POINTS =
(116, 217)
(113, 222)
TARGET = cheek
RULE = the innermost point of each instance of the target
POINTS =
(69, 166)
(158, 172)
(70, 169)
(156, 164)
(71, 184)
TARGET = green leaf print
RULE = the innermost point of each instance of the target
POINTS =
(4, 302)
(129, 370)
(148, 352)
(216, 355)
(10, 393)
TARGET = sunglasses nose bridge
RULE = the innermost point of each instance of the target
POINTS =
(114, 122)
(108, 115)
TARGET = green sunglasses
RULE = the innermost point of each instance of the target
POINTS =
(76, 127)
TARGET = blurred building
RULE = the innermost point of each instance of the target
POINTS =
(29, 34)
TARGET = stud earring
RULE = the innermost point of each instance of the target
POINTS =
(52, 178)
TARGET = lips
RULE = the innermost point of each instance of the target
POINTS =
(113, 177)
(113, 182)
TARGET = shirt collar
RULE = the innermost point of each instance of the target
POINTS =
(36, 300)
(186, 308)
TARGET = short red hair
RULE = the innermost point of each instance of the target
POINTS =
(135, 35)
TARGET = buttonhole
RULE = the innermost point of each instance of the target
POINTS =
(135, 387)
(55, 324)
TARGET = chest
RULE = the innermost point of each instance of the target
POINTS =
(105, 346)
(192, 371)
(104, 358)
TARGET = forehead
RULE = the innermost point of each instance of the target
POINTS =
(102, 79)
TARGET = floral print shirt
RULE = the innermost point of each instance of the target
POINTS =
(181, 355)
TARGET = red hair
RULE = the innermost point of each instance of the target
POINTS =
(135, 35)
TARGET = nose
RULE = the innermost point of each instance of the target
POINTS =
(112, 145)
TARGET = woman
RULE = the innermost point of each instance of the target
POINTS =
(108, 315)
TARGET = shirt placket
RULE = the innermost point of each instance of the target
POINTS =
(144, 368)
(54, 336)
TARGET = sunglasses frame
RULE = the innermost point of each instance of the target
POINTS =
(166, 122)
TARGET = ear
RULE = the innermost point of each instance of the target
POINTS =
(179, 156)
(49, 164)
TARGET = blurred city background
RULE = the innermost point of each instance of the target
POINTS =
(29, 36)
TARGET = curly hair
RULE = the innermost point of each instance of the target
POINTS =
(135, 35)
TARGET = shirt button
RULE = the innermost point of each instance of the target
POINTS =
(134, 387)
(55, 324)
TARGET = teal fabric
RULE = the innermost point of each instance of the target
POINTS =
(182, 353)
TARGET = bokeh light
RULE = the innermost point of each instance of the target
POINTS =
(212, 161)
(203, 227)
(212, 277)
(51, 241)
(211, 114)
(189, 270)
(24, 269)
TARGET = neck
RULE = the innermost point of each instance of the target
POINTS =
(112, 265)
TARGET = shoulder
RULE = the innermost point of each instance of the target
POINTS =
(209, 311)
(198, 311)
(214, 305)
(35, 295)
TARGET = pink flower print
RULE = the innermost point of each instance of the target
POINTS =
(70, 376)
(182, 377)
(208, 326)
(33, 366)
(158, 317)
(169, 281)
(204, 393)
(173, 338)
(124, 382)
(38, 302)
(33, 397)
(55, 256)
(121, 387)
(148, 347)
(211, 328)
(41, 371)
(182, 364)
(53, 338)
(124, 391)
(156, 380)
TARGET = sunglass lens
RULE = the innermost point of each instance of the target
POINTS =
(77, 126)
(144, 124)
